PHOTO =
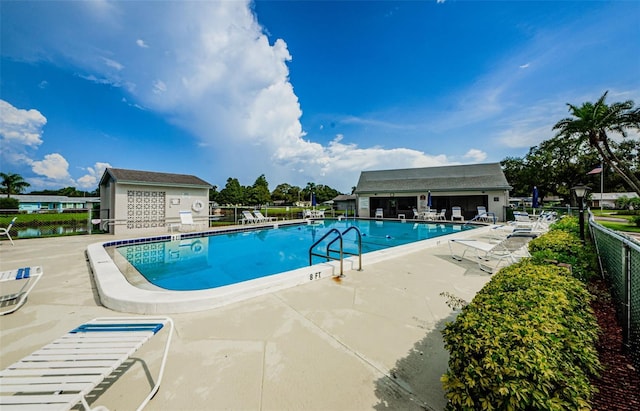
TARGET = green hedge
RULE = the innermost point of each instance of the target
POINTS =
(562, 244)
(525, 342)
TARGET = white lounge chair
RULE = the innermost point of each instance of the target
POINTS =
(18, 284)
(456, 213)
(539, 223)
(379, 213)
(186, 220)
(442, 215)
(499, 232)
(482, 215)
(490, 255)
(248, 218)
(60, 375)
(261, 218)
(5, 231)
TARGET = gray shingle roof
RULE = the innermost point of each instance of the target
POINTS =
(121, 175)
(487, 176)
(345, 197)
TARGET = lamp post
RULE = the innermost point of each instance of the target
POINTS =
(581, 190)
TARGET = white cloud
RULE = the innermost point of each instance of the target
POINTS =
(476, 155)
(113, 64)
(54, 166)
(159, 87)
(91, 179)
(339, 164)
(21, 133)
(222, 79)
(20, 127)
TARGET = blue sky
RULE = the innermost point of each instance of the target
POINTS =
(300, 91)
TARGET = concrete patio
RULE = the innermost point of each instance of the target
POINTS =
(370, 341)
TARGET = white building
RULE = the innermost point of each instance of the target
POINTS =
(608, 200)
(139, 201)
(467, 186)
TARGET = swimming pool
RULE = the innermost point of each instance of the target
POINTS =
(218, 260)
(122, 287)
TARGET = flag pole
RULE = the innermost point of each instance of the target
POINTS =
(601, 183)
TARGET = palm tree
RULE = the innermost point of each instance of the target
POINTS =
(13, 183)
(590, 124)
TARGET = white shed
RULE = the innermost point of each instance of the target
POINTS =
(144, 201)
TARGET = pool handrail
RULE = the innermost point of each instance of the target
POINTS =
(327, 256)
(359, 254)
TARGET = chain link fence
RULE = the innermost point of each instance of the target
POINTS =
(47, 223)
(619, 258)
(50, 223)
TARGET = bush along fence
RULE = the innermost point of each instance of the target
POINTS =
(619, 259)
(527, 341)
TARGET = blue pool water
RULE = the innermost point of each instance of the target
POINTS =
(222, 259)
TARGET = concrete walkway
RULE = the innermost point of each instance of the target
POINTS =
(370, 341)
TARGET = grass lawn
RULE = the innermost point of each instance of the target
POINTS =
(628, 226)
(624, 227)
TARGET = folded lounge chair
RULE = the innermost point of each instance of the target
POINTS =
(490, 255)
(25, 278)
(60, 375)
(379, 213)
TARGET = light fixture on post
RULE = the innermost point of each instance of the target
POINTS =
(581, 191)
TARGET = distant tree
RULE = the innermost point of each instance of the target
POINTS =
(552, 166)
(69, 192)
(13, 183)
(294, 194)
(325, 193)
(306, 192)
(232, 193)
(7, 203)
(589, 125)
(214, 194)
(259, 192)
(514, 170)
(285, 193)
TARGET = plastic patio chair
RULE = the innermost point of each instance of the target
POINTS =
(5, 231)
(456, 213)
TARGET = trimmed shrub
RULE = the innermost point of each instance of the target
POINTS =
(525, 342)
(567, 223)
(562, 244)
(8, 203)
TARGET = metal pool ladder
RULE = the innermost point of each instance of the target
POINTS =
(340, 251)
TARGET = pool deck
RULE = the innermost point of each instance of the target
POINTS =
(370, 341)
